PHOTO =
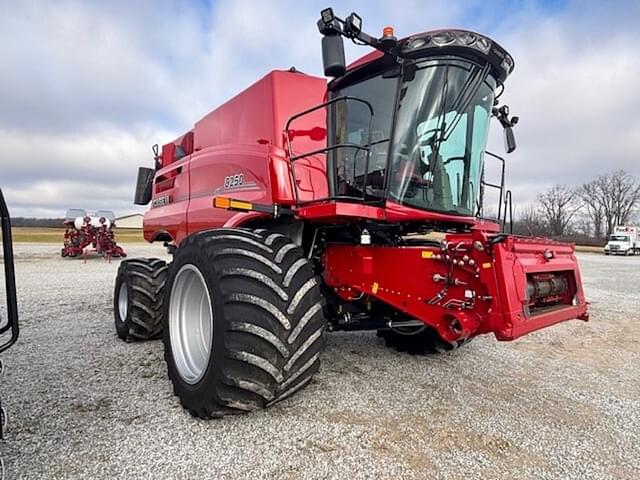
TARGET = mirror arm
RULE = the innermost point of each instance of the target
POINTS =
(338, 26)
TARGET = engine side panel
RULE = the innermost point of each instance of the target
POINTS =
(238, 172)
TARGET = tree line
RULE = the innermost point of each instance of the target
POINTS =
(590, 211)
(36, 222)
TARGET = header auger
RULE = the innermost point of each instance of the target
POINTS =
(301, 206)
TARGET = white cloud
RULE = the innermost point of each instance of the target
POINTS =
(575, 88)
(48, 172)
(89, 87)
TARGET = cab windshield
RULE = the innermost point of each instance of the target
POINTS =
(435, 151)
(442, 124)
(619, 238)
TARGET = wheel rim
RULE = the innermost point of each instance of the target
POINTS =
(123, 301)
(190, 324)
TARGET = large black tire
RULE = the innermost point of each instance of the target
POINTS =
(268, 321)
(140, 286)
(426, 341)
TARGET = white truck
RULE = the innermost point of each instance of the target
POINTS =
(625, 240)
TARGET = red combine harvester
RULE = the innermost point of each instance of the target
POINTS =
(300, 206)
(86, 234)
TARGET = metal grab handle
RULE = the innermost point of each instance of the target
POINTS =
(330, 168)
(9, 277)
(324, 105)
(500, 188)
(508, 209)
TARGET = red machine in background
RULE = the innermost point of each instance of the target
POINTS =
(86, 234)
(301, 206)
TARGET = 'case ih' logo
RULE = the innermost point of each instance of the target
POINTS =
(161, 201)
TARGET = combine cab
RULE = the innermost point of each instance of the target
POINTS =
(86, 234)
(302, 206)
(8, 328)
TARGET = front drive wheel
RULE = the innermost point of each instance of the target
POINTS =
(244, 321)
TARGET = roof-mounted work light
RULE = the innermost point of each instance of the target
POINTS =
(328, 24)
(353, 25)
(327, 15)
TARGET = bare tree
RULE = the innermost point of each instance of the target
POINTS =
(614, 197)
(530, 223)
(593, 206)
(557, 207)
(583, 224)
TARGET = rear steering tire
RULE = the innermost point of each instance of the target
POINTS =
(243, 321)
(424, 341)
(138, 298)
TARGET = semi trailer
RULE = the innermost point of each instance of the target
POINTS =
(301, 207)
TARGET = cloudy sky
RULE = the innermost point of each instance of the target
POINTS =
(87, 87)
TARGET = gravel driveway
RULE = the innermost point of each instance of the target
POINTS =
(561, 403)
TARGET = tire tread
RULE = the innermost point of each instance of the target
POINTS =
(274, 321)
(147, 278)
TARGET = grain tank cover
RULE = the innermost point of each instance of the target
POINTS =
(258, 114)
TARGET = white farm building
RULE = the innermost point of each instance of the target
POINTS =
(129, 221)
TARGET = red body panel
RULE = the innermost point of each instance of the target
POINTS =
(170, 201)
(242, 137)
(332, 212)
(208, 169)
(514, 260)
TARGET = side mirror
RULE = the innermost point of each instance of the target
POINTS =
(144, 185)
(509, 139)
(333, 58)
(502, 114)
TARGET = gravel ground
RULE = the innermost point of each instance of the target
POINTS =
(561, 403)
